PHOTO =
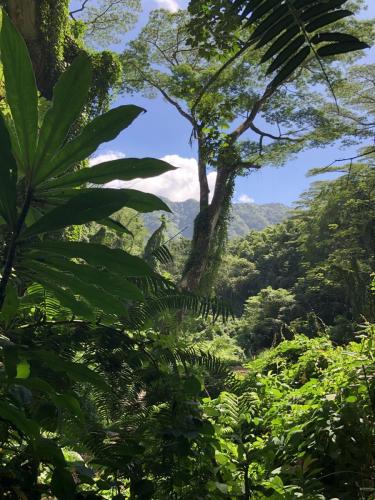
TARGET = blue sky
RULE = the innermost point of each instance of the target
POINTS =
(161, 132)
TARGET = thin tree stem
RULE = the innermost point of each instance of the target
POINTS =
(12, 248)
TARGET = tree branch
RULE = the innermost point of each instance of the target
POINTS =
(216, 75)
(280, 137)
(248, 122)
(363, 155)
(167, 97)
(72, 12)
(96, 19)
(248, 165)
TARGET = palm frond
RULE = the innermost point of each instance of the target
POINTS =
(288, 31)
(174, 300)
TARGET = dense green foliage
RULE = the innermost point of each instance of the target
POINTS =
(315, 268)
(116, 384)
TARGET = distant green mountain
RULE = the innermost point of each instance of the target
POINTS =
(245, 216)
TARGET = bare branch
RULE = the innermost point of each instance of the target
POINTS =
(71, 13)
(99, 16)
(351, 159)
(167, 97)
(280, 137)
(162, 52)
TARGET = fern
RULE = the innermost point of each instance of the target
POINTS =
(289, 31)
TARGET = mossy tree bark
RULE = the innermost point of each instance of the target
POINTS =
(53, 44)
(43, 24)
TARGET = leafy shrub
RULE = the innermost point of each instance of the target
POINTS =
(300, 424)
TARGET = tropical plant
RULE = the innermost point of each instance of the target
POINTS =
(299, 424)
(291, 30)
(48, 281)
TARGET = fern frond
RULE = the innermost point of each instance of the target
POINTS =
(288, 31)
(187, 302)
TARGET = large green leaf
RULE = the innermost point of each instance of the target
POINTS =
(102, 129)
(113, 259)
(69, 96)
(280, 43)
(64, 401)
(21, 91)
(291, 66)
(76, 371)
(341, 48)
(94, 204)
(66, 298)
(125, 169)
(8, 176)
(327, 19)
(287, 53)
(95, 296)
(111, 283)
(17, 418)
(62, 484)
(272, 23)
(115, 225)
(49, 452)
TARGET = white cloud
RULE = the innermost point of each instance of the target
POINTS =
(178, 185)
(244, 198)
(171, 5)
(107, 156)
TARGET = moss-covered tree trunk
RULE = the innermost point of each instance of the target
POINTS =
(209, 230)
(43, 24)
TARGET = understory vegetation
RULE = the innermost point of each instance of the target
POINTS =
(148, 366)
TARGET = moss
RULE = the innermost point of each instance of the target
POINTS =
(61, 41)
(54, 25)
(107, 71)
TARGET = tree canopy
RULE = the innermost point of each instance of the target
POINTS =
(240, 119)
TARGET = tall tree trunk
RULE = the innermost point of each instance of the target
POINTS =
(43, 24)
(208, 228)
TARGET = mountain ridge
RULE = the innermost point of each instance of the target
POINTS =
(244, 217)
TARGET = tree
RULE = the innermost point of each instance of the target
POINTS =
(356, 93)
(323, 255)
(239, 119)
(266, 319)
(54, 40)
(105, 21)
(44, 26)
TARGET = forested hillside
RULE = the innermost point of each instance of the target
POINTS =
(234, 361)
(243, 217)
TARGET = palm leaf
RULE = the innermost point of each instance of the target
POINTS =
(289, 27)
(288, 31)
